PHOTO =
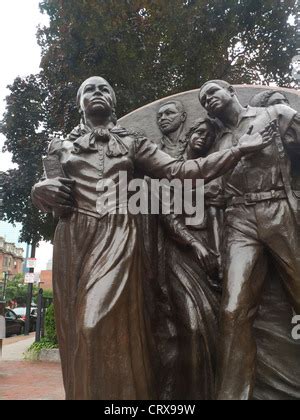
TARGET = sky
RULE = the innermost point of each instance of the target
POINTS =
(20, 56)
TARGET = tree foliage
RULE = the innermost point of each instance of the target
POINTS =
(50, 325)
(17, 291)
(27, 140)
(147, 49)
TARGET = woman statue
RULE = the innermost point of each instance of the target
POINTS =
(190, 271)
(97, 264)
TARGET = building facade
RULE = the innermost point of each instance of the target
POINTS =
(46, 280)
(11, 259)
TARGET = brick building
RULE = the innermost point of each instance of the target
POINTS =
(46, 280)
(11, 258)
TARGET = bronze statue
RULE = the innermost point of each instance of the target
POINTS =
(171, 118)
(261, 221)
(186, 333)
(97, 265)
(200, 138)
(278, 370)
(269, 98)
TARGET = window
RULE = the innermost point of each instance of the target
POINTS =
(10, 315)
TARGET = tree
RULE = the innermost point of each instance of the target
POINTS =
(2, 177)
(27, 140)
(16, 290)
(147, 49)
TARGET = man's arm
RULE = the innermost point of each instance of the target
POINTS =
(292, 136)
(289, 126)
(157, 164)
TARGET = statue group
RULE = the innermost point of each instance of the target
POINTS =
(149, 306)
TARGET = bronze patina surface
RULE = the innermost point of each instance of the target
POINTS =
(99, 261)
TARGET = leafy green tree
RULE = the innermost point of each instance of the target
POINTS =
(27, 140)
(48, 294)
(17, 291)
(50, 325)
(147, 49)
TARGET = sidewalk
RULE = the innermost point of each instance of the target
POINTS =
(14, 348)
(22, 380)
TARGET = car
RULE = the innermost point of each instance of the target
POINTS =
(21, 313)
(14, 324)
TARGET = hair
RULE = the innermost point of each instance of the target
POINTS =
(197, 124)
(113, 94)
(261, 99)
(221, 83)
(179, 105)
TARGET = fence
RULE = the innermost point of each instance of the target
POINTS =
(43, 303)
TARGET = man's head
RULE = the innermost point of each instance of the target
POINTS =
(201, 136)
(96, 96)
(171, 116)
(215, 96)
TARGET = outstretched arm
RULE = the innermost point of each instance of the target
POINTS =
(157, 164)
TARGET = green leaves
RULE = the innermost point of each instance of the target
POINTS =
(17, 290)
(150, 49)
(27, 139)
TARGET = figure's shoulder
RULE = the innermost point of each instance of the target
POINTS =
(285, 115)
(283, 111)
(128, 132)
(55, 146)
(132, 137)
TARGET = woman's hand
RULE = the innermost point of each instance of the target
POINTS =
(251, 143)
(207, 257)
(55, 194)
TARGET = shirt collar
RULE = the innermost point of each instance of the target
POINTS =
(165, 141)
(249, 112)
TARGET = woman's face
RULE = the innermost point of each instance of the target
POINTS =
(277, 99)
(96, 97)
(202, 140)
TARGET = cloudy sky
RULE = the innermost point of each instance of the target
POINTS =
(20, 56)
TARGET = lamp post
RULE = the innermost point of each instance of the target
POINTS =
(29, 294)
(2, 309)
(4, 283)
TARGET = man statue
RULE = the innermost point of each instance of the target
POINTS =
(171, 118)
(268, 98)
(261, 222)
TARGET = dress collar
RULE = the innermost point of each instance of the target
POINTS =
(85, 140)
